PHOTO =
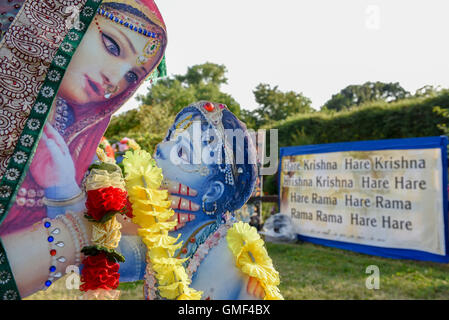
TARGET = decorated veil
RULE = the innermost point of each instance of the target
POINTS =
(39, 43)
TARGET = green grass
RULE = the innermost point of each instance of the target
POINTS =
(315, 272)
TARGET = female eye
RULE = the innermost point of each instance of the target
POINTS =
(111, 46)
(131, 77)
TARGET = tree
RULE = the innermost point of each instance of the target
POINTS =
(355, 95)
(207, 73)
(201, 82)
(250, 119)
(428, 91)
(149, 124)
(276, 105)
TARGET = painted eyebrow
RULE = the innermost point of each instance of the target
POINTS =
(132, 47)
(127, 39)
(182, 122)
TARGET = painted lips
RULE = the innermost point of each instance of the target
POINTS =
(93, 87)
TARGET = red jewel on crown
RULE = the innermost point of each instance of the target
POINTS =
(209, 107)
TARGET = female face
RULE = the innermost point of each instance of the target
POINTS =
(106, 62)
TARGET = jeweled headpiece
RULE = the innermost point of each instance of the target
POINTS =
(127, 22)
(144, 8)
(213, 113)
(137, 16)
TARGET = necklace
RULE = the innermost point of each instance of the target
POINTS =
(194, 241)
(203, 249)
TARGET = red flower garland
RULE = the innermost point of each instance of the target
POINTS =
(129, 209)
(99, 273)
(100, 270)
(102, 201)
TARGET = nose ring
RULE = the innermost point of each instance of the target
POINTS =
(110, 90)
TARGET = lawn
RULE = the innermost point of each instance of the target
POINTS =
(314, 272)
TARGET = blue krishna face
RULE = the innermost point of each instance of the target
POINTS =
(198, 153)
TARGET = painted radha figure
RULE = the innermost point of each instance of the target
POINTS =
(108, 66)
(205, 192)
(104, 72)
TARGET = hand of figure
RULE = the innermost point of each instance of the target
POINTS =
(52, 165)
(254, 288)
(128, 226)
(177, 203)
(176, 191)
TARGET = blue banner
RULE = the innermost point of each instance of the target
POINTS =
(386, 197)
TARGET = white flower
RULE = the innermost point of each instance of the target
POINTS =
(54, 75)
(5, 277)
(60, 61)
(88, 11)
(10, 295)
(19, 157)
(80, 26)
(12, 174)
(48, 92)
(40, 108)
(73, 36)
(66, 47)
(5, 192)
(33, 124)
(27, 140)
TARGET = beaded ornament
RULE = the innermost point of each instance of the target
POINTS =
(214, 115)
(133, 25)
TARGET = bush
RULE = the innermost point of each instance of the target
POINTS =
(408, 118)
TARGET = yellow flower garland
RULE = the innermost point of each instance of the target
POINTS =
(152, 212)
(252, 258)
(133, 144)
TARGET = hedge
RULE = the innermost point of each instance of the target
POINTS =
(408, 118)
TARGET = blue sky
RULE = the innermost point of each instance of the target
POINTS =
(315, 47)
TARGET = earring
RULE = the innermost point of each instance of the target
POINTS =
(150, 50)
(210, 213)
